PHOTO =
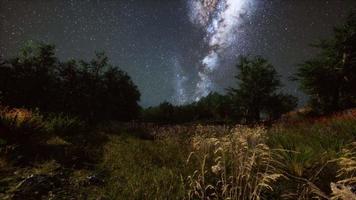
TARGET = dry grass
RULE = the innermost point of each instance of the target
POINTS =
(235, 166)
(306, 160)
(345, 188)
(223, 162)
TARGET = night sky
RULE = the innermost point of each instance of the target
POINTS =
(175, 50)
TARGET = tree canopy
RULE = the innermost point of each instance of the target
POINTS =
(258, 91)
(330, 77)
(93, 90)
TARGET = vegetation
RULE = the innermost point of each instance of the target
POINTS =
(258, 91)
(63, 133)
(294, 159)
(92, 90)
(212, 108)
(330, 77)
(258, 97)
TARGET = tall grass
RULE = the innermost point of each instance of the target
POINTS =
(235, 166)
(345, 188)
(313, 159)
(309, 150)
(309, 160)
(143, 169)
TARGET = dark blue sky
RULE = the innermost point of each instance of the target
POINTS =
(159, 46)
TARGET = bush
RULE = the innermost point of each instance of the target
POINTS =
(64, 125)
(22, 126)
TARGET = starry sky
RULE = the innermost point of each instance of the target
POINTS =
(175, 50)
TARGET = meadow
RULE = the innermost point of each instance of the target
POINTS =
(61, 157)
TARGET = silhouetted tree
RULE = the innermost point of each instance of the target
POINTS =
(32, 76)
(163, 113)
(257, 93)
(212, 108)
(215, 107)
(330, 77)
(94, 90)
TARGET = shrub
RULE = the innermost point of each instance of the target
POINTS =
(64, 125)
(21, 125)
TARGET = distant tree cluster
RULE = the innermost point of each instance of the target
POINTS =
(93, 90)
(257, 97)
(212, 108)
(330, 77)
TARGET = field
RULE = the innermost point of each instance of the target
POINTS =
(58, 157)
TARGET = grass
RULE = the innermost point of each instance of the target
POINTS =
(304, 159)
(235, 166)
(143, 169)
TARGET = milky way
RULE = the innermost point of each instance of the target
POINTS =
(177, 50)
(221, 19)
(180, 96)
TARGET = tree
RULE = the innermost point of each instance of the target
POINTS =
(163, 113)
(32, 76)
(214, 107)
(4, 78)
(93, 90)
(257, 93)
(98, 90)
(330, 77)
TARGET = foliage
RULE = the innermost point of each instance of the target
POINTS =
(64, 125)
(256, 96)
(93, 90)
(257, 93)
(22, 126)
(330, 77)
(212, 108)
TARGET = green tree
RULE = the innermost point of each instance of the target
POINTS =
(330, 77)
(257, 93)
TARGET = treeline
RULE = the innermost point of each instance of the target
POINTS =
(329, 79)
(94, 90)
(257, 97)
